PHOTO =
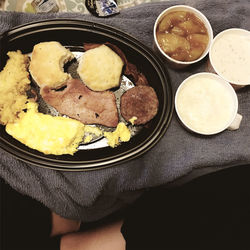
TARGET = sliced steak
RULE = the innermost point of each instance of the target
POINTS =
(77, 101)
(140, 102)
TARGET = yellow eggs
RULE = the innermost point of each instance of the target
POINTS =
(14, 82)
(90, 131)
(121, 134)
(132, 120)
(88, 138)
(45, 133)
(93, 130)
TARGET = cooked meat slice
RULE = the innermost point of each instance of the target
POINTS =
(88, 46)
(142, 80)
(140, 102)
(77, 101)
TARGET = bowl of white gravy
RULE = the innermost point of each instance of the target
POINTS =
(229, 56)
(206, 104)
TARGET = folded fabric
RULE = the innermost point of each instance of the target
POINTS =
(94, 194)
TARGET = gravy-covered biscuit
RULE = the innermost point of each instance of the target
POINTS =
(46, 65)
(100, 68)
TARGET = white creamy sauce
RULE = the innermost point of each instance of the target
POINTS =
(205, 105)
(230, 55)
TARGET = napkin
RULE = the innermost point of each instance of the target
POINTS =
(92, 195)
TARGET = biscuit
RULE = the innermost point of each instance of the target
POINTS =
(46, 65)
(100, 68)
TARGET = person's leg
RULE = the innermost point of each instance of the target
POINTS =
(61, 226)
(27, 224)
(212, 212)
(105, 237)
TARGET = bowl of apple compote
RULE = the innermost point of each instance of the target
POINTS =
(182, 35)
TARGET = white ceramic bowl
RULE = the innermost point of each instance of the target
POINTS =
(229, 56)
(172, 62)
(206, 104)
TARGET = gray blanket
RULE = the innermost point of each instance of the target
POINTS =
(92, 195)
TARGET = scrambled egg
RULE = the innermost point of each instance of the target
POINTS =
(132, 120)
(14, 82)
(45, 133)
(88, 138)
(89, 131)
(121, 134)
(93, 130)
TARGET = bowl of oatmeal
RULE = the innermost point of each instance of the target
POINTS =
(207, 104)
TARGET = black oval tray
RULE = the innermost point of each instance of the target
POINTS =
(73, 33)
